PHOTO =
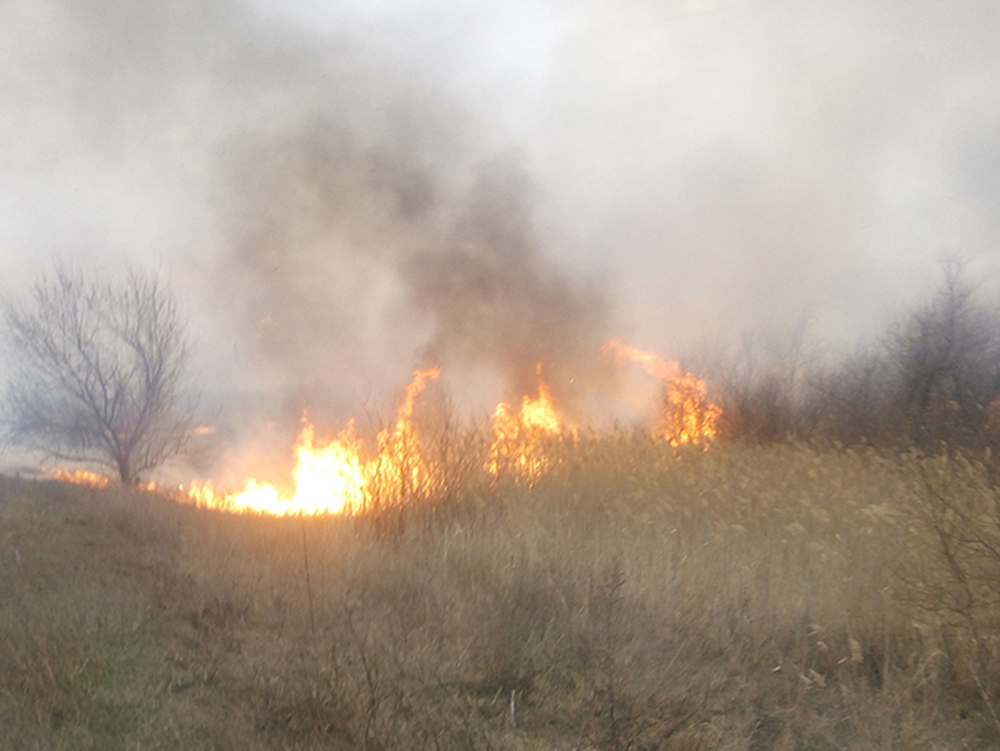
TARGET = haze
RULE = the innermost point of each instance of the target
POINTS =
(342, 191)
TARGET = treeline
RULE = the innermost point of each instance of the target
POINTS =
(931, 381)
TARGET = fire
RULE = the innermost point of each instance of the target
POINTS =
(520, 438)
(400, 469)
(687, 417)
(333, 477)
(80, 477)
(343, 475)
(93, 479)
(665, 370)
(329, 478)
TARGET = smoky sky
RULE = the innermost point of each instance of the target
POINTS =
(343, 191)
(337, 238)
(376, 221)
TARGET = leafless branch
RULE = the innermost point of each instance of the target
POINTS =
(101, 365)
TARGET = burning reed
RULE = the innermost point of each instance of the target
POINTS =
(339, 476)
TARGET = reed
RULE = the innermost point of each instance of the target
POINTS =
(635, 596)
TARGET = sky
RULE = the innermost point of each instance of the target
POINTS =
(341, 191)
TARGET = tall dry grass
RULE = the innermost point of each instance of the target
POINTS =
(635, 597)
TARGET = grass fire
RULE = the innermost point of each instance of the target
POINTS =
(343, 476)
(336, 477)
(522, 439)
(635, 594)
(499, 376)
(524, 581)
(687, 416)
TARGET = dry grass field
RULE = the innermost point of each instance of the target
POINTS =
(635, 597)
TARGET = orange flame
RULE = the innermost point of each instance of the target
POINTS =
(687, 417)
(519, 438)
(333, 478)
(93, 479)
(80, 477)
(665, 370)
(328, 479)
(400, 470)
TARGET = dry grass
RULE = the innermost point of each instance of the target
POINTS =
(636, 598)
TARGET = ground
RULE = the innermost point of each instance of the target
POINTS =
(636, 597)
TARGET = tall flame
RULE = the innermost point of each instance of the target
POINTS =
(332, 478)
(687, 416)
(519, 438)
(400, 469)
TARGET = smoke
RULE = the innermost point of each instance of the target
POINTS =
(401, 251)
(494, 298)
(346, 218)
(374, 227)
(342, 191)
(760, 160)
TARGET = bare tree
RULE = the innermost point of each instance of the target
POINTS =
(100, 366)
(932, 381)
(947, 359)
(851, 400)
(759, 387)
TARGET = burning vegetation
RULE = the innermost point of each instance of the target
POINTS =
(400, 469)
(849, 593)
(688, 416)
(80, 477)
(344, 475)
(328, 478)
(334, 477)
(522, 439)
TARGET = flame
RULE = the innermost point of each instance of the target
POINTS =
(93, 479)
(687, 417)
(665, 370)
(333, 477)
(80, 477)
(328, 478)
(519, 438)
(400, 470)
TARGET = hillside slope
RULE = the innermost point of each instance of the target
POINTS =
(635, 598)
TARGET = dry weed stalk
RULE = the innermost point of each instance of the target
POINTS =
(636, 597)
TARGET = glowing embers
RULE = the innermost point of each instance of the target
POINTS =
(334, 477)
(523, 440)
(688, 417)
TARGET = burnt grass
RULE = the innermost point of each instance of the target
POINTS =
(636, 597)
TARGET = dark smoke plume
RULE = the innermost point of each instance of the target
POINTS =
(494, 298)
(396, 218)
(348, 219)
